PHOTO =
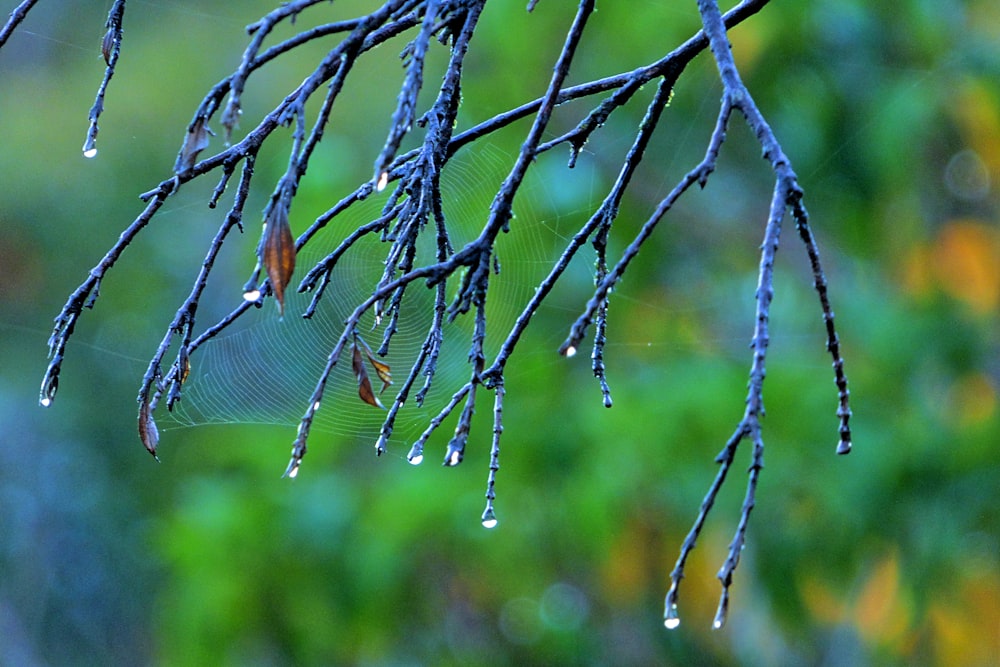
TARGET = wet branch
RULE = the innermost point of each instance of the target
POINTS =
(17, 15)
(110, 48)
(184, 320)
(787, 195)
(414, 214)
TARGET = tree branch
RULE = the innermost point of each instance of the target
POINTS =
(787, 194)
(17, 15)
(414, 206)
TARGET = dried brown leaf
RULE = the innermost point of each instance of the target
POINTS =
(279, 252)
(381, 369)
(108, 45)
(365, 391)
(184, 365)
(195, 142)
(148, 433)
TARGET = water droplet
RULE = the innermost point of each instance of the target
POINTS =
(90, 143)
(671, 620)
(383, 181)
(416, 455)
(453, 458)
(571, 351)
(490, 518)
(315, 406)
(49, 386)
(251, 295)
(720, 615)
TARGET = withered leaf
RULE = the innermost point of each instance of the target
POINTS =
(365, 391)
(148, 433)
(382, 370)
(278, 252)
(231, 117)
(108, 45)
(195, 142)
(183, 364)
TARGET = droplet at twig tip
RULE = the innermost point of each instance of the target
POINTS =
(453, 458)
(670, 618)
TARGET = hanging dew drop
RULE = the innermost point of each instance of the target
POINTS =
(383, 181)
(90, 143)
(293, 467)
(48, 393)
(571, 351)
(416, 460)
(671, 620)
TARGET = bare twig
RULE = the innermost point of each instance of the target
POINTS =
(414, 207)
(787, 194)
(17, 15)
(111, 48)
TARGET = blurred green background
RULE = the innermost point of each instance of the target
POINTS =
(891, 115)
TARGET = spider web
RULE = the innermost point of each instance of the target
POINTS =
(265, 371)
